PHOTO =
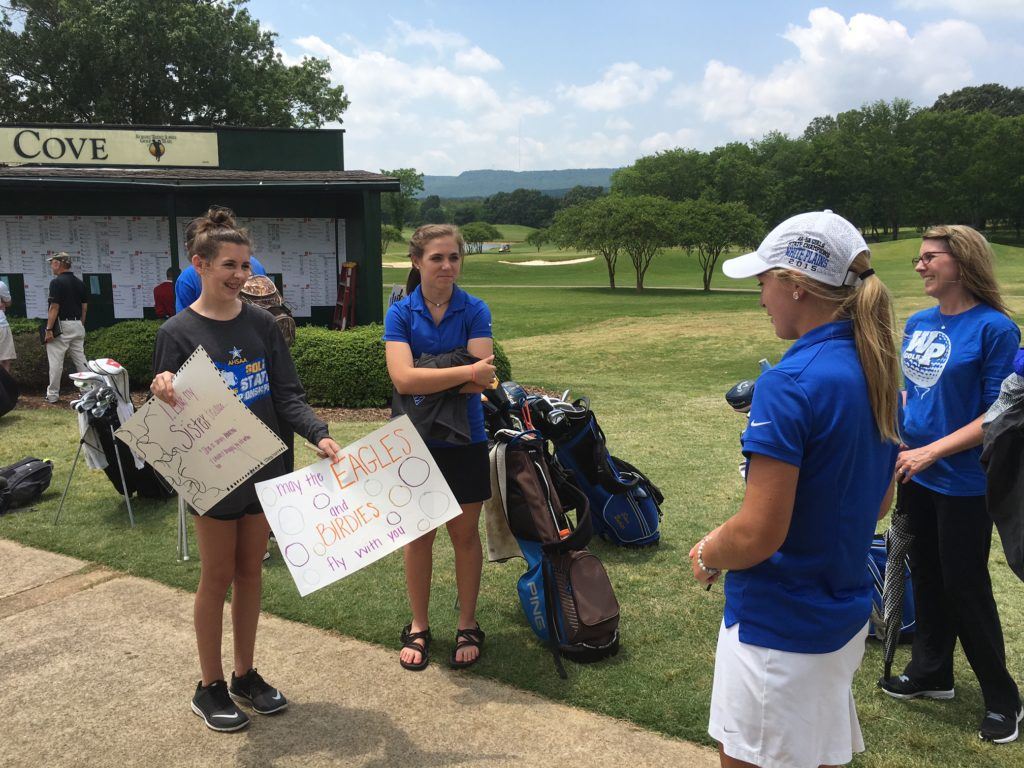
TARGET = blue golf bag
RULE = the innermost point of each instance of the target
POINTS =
(625, 504)
(565, 592)
(877, 558)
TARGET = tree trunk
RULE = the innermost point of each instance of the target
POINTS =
(611, 272)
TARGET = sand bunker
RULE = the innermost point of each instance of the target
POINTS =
(542, 263)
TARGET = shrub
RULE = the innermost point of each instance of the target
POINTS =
(348, 369)
(23, 324)
(131, 343)
(30, 369)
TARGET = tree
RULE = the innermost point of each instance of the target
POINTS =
(155, 62)
(399, 205)
(389, 234)
(991, 97)
(711, 227)
(591, 227)
(476, 233)
(432, 212)
(677, 174)
(646, 225)
(539, 238)
(529, 207)
(581, 194)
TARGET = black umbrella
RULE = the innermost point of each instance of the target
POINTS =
(897, 544)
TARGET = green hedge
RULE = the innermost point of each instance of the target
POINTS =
(341, 369)
(23, 324)
(348, 369)
(131, 343)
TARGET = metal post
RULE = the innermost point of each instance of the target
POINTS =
(182, 530)
(68, 483)
(124, 483)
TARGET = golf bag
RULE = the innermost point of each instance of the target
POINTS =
(105, 405)
(877, 557)
(565, 593)
(626, 504)
(24, 482)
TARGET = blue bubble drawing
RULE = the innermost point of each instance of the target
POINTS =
(372, 487)
(290, 521)
(435, 504)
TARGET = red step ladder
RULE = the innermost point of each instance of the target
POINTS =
(345, 308)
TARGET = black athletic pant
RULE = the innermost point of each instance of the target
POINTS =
(953, 595)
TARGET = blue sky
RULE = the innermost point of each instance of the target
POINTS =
(451, 86)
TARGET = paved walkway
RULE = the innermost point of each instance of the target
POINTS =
(97, 668)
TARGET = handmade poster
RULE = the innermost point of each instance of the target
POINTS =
(331, 519)
(208, 442)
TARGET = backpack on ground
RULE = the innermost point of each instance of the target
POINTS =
(26, 480)
(260, 291)
(626, 505)
(877, 557)
(565, 593)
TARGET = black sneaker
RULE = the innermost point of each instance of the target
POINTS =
(215, 706)
(1000, 729)
(903, 687)
(253, 690)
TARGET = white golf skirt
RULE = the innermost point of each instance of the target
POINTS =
(778, 709)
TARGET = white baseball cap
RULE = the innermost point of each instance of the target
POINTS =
(819, 244)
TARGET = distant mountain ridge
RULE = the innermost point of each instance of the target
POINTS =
(484, 183)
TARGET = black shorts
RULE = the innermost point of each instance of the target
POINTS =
(466, 469)
(251, 509)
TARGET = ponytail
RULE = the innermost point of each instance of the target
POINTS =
(869, 305)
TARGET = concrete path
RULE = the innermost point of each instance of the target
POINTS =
(97, 668)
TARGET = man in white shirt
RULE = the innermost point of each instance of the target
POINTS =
(7, 353)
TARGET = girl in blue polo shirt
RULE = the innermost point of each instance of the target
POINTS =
(820, 445)
(955, 356)
(437, 317)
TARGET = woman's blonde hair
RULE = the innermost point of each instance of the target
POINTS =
(418, 244)
(974, 256)
(868, 304)
(205, 234)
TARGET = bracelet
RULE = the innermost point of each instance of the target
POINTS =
(700, 558)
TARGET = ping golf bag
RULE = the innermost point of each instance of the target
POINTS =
(105, 404)
(626, 504)
(565, 593)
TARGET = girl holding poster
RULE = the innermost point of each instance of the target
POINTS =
(436, 318)
(246, 346)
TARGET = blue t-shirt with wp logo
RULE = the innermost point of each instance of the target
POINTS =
(953, 366)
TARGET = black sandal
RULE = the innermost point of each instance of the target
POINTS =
(467, 638)
(408, 640)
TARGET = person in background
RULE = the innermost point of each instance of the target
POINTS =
(188, 284)
(163, 295)
(955, 356)
(7, 352)
(437, 317)
(68, 304)
(821, 444)
(242, 340)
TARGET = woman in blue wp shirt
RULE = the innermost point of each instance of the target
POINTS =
(955, 355)
(437, 317)
(821, 445)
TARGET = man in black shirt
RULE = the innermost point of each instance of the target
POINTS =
(68, 301)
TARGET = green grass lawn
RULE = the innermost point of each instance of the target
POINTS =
(655, 366)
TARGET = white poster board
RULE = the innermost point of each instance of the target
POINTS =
(206, 444)
(331, 519)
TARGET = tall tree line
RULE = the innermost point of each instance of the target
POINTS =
(886, 165)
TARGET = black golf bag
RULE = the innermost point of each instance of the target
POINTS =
(626, 504)
(565, 593)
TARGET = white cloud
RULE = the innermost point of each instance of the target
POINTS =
(477, 60)
(992, 9)
(684, 137)
(617, 123)
(840, 64)
(438, 39)
(622, 84)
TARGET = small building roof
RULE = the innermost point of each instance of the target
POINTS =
(21, 175)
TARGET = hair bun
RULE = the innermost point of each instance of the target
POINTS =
(221, 217)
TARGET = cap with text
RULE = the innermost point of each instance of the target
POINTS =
(820, 244)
